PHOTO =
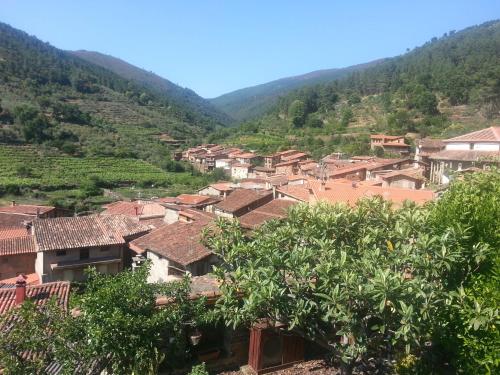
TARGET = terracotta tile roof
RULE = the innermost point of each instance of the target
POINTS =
(136, 208)
(13, 232)
(491, 134)
(341, 192)
(299, 192)
(276, 209)
(414, 174)
(8, 220)
(395, 144)
(466, 155)
(241, 165)
(285, 163)
(278, 179)
(17, 245)
(26, 209)
(191, 199)
(264, 169)
(179, 242)
(431, 143)
(84, 231)
(39, 294)
(242, 198)
(31, 279)
(293, 156)
(171, 200)
(222, 186)
(153, 223)
(383, 136)
(247, 155)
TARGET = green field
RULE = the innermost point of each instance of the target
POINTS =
(44, 169)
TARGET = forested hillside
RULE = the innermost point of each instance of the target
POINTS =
(252, 102)
(54, 97)
(179, 95)
(448, 86)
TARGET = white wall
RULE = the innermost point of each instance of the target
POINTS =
(487, 146)
(159, 268)
(458, 146)
(239, 173)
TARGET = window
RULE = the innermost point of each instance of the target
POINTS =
(60, 253)
(471, 146)
(84, 254)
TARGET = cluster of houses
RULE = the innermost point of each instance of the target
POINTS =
(50, 250)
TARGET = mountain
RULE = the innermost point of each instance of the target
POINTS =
(53, 97)
(448, 86)
(181, 96)
(254, 101)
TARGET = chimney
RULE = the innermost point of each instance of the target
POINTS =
(20, 289)
(38, 213)
(13, 203)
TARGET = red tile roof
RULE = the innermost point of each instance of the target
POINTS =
(395, 144)
(84, 231)
(341, 192)
(241, 165)
(179, 242)
(491, 134)
(222, 186)
(13, 232)
(26, 209)
(299, 192)
(30, 278)
(383, 136)
(431, 143)
(136, 208)
(242, 198)
(414, 174)
(192, 199)
(247, 155)
(39, 294)
(9, 220)
(285, 163)
(17, 245)
(276, 209)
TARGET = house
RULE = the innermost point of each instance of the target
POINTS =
(427, 147)
(389, 143)
(240, 171)
(224, 164)
(17, 254)
(242, 201)
(260, 171)
(349, 193)
(246, 158)
(287, 167)
(254, 183)
(274, 210)
(176, 249)
(407, 178)
(270, 161)
(148, 213)
(480, 149)
(66, 246)
(219, 189)
(29, 210)
(198, 201)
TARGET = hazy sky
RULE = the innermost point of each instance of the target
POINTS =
(214, 47)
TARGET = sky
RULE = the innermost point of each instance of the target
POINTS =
(217, 46)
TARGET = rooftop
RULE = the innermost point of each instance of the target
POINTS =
(26, 209)
(241, 198)
(135, 208)
(17, 245)
(276, 209)
(84, 231)
(466, 155)
(491, 134)
(13, 232)
(39, 294)
(383, 136)
(179, 242)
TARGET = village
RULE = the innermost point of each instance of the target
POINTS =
(43, 251)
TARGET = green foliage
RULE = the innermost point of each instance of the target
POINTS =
(297, 113)
(200, 369)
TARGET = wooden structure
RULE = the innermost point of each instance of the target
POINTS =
(272, 348)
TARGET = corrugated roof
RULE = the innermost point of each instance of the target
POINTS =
(84, 231)
(491, 134)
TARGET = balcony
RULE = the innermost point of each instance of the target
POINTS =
(70, 264)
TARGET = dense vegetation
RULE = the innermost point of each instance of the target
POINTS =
(372, 284)
(448, 86)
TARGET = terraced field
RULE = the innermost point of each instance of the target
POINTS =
(27, 166)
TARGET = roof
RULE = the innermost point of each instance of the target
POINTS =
(39, 294)
(17, 245)
(192, 199)
(179, 242)
(431, 143)
(30, 278)
(246, 155)
(10, 220)
(465, 155)
(136, 208)
(414, 174)
(293, 156)
(13, 232)
(263, 169)
(285, 163)
(395, 144)
(299, 192)
(276, 209)
(26, 209)
(380, 136)
(491, 134)
(341, 192)
(222, 186)
(241, 165)
(241, 198)
(84, 231)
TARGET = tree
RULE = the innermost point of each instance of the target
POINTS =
(297, 113)
(361, 282)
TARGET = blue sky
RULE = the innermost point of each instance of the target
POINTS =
(216, 46)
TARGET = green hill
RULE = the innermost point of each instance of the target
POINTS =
(252, 102)
(179, 95)
(448, 86)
